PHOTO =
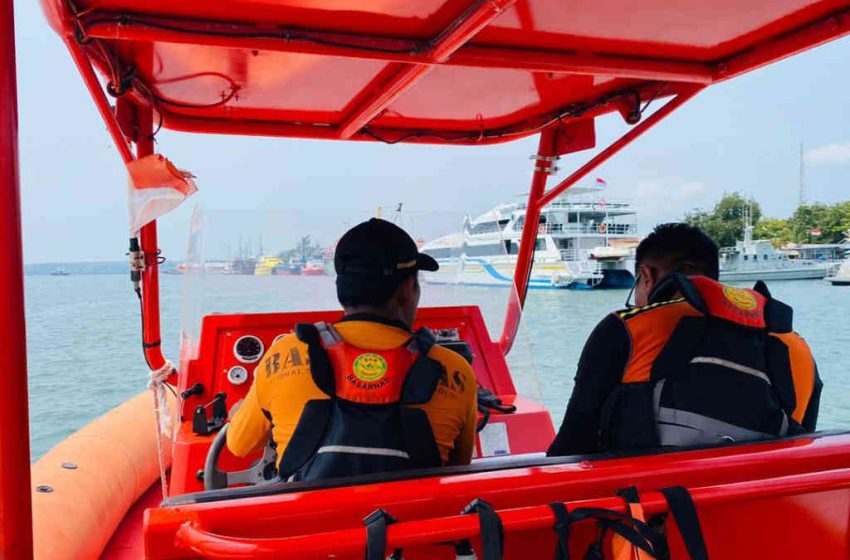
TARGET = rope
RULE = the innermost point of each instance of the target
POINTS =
(157, 385)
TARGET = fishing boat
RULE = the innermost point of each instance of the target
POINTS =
(583, 240)
(266, 264)
(313, 268)
(751, 260)
(290, 268)
(60, 272)
(447, 72)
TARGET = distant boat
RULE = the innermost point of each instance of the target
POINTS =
(841, 277)
(60, 272)
(750, 260)
(291, 268)
(265, 265)
(313, 268)
(584, 240)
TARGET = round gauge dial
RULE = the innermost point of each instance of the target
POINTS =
(248, 349)
(237, 375)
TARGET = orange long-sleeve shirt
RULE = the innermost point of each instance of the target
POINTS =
(283, 385)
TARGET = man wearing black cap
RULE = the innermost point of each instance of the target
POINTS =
(365, 394)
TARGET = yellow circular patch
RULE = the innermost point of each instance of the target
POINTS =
(742, 299)
(370, 367)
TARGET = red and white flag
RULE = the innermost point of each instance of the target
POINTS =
(816, 232)
(600, 182)
(156, 188)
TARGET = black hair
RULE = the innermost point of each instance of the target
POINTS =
(680, 247)
(357, 290)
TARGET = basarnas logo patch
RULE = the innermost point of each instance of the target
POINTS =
(742, 299)
(369, 367)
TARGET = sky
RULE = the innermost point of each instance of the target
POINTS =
(743, 135)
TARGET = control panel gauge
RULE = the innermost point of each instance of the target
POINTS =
(248, 349)
(237, 375)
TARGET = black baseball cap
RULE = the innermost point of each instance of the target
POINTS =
(378, 249)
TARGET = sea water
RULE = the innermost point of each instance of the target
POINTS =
(85, 355)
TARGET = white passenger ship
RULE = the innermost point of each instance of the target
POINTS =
(584, 241)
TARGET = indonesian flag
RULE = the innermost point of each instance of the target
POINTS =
(600, 182)
(816, 232)
(156, 188)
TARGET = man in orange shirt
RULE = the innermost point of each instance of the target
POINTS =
(366, 394)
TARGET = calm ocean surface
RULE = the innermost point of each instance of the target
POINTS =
(85, 351)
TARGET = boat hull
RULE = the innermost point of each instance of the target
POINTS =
(810, 273)
(557, 275)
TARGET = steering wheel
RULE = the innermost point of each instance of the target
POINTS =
(257, 473)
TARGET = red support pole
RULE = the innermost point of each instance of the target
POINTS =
(150, 277)
(15, 485)
(538, 197)
(100, 100)
(621, 143)
(544, 162)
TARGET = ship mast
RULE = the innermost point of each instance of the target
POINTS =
(802, 176)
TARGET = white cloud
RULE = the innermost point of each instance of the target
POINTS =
(667, 201)
(831, 154)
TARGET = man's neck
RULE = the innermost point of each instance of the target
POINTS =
(377, 314)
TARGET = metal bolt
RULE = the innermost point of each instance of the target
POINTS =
(69, 466)
(44, 489)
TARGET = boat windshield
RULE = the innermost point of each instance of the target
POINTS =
(270, 261)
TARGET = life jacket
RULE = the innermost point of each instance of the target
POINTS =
(367, 425)
(716, 365)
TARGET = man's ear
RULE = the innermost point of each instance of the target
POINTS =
(406, 289)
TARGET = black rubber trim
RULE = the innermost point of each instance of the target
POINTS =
(507, 463)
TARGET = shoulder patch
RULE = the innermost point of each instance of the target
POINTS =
(627, 314)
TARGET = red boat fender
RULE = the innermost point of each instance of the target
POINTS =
(93, 478)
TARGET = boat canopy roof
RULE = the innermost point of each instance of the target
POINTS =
(435, 71)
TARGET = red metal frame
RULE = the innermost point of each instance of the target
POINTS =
(15, 497)
(413, 59)
(148, 240)
(403, 77)
(538, 197)
(134, 29)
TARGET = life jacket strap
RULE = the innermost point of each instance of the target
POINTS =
(490, 524)
(562, 529)
(320, 363)
(684, 511)
(376, 535)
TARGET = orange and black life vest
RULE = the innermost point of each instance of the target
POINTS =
(709, 364)
(367, 425)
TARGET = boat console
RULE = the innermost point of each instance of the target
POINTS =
(231, 347)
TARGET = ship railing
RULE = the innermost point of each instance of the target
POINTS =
(590, 204)
(610, 229)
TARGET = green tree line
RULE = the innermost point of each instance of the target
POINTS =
(304, 250)
(725, 222)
